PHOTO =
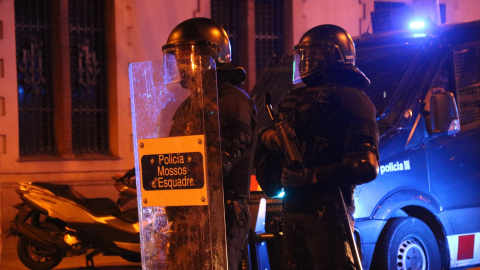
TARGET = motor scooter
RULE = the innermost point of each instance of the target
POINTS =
(127, 189)
(56, 221)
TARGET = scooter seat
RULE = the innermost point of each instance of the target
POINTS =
(96, 206)
(102, 206)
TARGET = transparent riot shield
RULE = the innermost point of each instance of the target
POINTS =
(178, 164)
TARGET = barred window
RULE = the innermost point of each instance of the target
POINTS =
(466, 61)
(62, 77)
(35, 97)
(269, 31)
(227, 13)
(272, 30)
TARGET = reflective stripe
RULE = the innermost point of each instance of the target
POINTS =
(464, 249)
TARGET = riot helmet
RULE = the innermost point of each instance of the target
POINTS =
(190, 42)
(199, 36)
(322, 48)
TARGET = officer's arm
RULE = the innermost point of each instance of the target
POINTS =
(356, 168)
(359, 164)
(237, 126)
(364, 168)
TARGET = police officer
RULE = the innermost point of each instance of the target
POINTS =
(337, 136)
(237, 120)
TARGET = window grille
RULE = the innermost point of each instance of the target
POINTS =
(35, 97)
(88, 76)
(37, 88)
(269, 33)
(388, 16)
(225, 12)
(467, 80)
(385, 70)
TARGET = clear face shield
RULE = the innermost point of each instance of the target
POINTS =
(307, 60)
(185, 63)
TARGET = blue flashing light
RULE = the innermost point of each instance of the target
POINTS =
(418, 35)
(417, 25)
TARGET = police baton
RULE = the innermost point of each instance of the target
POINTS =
(348, 230)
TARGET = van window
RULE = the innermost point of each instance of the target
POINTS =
(466, 63)
(385, 67)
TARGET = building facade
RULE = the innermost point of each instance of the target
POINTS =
(65, 112)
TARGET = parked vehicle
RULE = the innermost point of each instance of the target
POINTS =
(127, 189)
(422, 211)
(56, 221)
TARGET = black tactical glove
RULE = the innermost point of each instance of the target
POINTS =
(271, 139)
(297, 178)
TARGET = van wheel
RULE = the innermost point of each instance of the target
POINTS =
(406, 243)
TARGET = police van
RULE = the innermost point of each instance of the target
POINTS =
(423, 210)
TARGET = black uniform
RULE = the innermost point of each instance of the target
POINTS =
(238, 123)
(336, 134)
(188, 43)
(333, 122)
(238, 129)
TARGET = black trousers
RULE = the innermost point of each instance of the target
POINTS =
(315, 239)
(237, 220)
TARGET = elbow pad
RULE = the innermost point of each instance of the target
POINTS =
(365, 169)
(357, 168)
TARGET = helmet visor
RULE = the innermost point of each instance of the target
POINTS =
(307, 60)
(221, 53)
(184, 62)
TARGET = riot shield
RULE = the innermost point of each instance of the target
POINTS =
(178, 163)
